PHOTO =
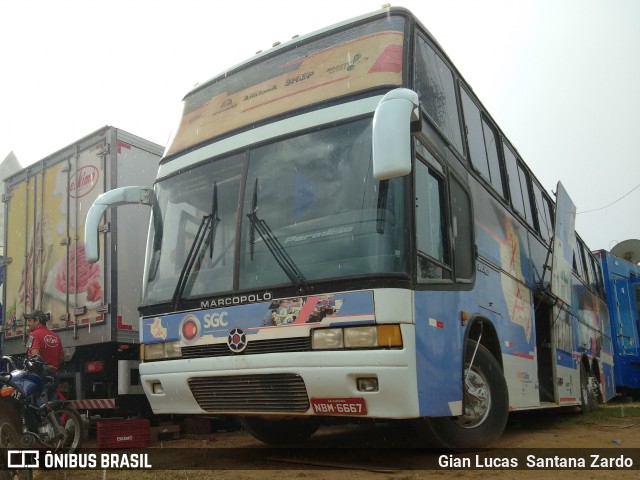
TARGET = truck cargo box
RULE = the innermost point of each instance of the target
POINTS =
(45, 209)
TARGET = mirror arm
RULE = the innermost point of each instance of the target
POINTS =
(112, 198)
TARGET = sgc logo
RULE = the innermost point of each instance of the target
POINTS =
(216, 319)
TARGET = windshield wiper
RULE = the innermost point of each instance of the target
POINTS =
(383, 191)
(276, 249)
(206, 234)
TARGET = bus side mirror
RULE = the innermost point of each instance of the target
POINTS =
(393, 121)
(112, 198)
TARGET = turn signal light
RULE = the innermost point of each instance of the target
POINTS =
(7, 391)
(389, 336)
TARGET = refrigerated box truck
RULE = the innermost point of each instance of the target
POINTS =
(92, 306)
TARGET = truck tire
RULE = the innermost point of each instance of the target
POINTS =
(486, 406)
(280, 432)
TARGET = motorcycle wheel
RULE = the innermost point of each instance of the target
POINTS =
(9, 439)
(71, 421)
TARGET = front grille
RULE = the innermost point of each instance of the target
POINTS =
(279, 393)
(275, 345)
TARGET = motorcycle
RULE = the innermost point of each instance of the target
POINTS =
(28, 420)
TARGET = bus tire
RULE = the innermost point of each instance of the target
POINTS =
(486, 406)
(589, 391)
(280, 432)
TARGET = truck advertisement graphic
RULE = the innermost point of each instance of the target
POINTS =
(54, 272)
(93, 307)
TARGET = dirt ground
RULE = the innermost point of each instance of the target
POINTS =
(391, 452)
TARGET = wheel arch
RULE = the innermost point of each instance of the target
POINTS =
(483, 329)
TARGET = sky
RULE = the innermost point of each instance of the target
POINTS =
(560, 77)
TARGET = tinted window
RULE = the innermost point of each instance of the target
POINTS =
(475, 136)
(431, 232)
(483, 151)
(518, 184)
(328, 66)
(543, 213)
(434, 83)
(461, 226)
(596, 279)
(578, 266)
(523, 177)
(491, 146)
(303, 192)
(588, 268)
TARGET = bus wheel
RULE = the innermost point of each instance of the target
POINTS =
(486, 406)
(589, 391)
(279, 432)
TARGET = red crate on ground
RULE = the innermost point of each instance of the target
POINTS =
(114, 434)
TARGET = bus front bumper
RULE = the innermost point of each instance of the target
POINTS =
(365, 383)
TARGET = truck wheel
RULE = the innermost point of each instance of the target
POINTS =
(589, 391)
(486, 406)
(279, 432)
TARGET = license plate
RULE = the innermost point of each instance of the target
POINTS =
(339, 406)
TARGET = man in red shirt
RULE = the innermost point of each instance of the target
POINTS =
(46, 343)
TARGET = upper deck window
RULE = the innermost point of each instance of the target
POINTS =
(343, 62)
(518, 184)
(434, 83)
(483, 149)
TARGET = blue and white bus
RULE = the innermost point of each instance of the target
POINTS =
(340, 229)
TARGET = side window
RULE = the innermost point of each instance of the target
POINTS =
(462, 228)
(523, 176)
(518, 185)
(475, 137)
(596, 280)
(578, 266)
(432, 240)
(434, 83)
(588, 267)
(483, 151)
(491, 144)
(543, 213)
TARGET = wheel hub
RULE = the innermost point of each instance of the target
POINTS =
(477, 400)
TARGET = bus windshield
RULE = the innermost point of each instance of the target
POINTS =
(310, 210)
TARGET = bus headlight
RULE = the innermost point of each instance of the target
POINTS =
(360, 337)
(327, 339)
(153, 351)
(161, 351)
(370, 336)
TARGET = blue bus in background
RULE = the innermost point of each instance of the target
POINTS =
(622, 286)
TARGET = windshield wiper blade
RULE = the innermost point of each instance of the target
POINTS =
(383, 191)
(276, 249)
(209, 224)
(214, 219)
